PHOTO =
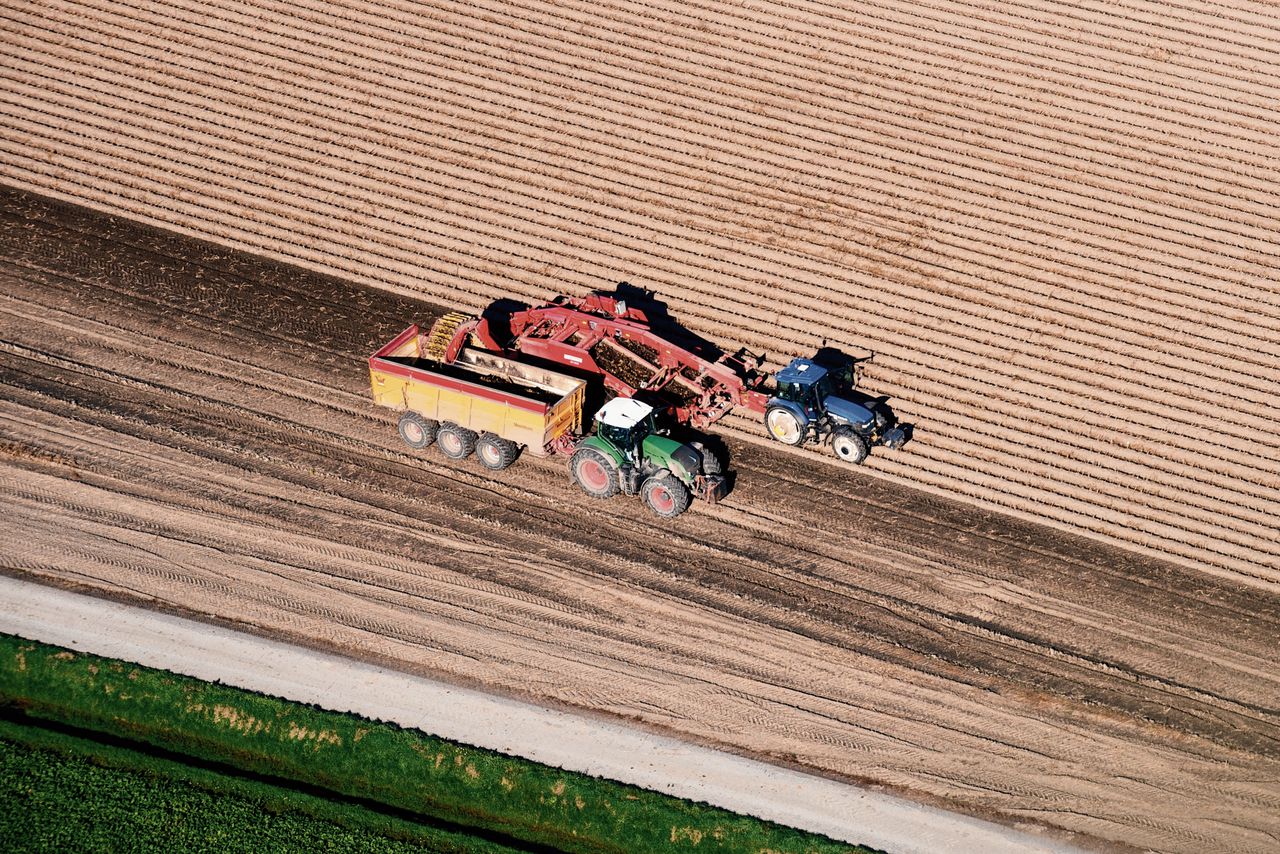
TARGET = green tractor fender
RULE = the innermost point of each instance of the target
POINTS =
(612, 454)
(659, 453)
(681, 460)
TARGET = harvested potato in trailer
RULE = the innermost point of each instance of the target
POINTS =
(482, 402)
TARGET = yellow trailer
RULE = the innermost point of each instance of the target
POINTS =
(480, 402)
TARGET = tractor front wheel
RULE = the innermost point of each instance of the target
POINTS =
(710, 462)
(417, 432)
(665, 495)
(783, 425)
(849, 446)
(455, 442)
(594, 473)
(494, 452)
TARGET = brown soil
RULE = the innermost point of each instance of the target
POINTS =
(189, 427)
(1054, 223)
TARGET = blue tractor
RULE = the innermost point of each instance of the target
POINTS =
(811, 405)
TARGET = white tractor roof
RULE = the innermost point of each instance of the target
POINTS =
(623, 412)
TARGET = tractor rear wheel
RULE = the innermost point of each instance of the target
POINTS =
(594, 473)
(417, 432)
(665, 495)
(849, 446)
(783, 425)
(455, 442)
(494, 452)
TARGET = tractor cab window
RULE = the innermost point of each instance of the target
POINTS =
(628, 439)
(801, 393)
(791, 391)
(619, 437)
(822, 388)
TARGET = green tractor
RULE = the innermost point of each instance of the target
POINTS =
(628, 453)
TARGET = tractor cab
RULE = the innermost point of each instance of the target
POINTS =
(804, 383)
(624, 423)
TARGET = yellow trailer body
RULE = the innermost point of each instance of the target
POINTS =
(481, 391)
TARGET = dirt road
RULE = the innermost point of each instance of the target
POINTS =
(188, 428)
(560, 738)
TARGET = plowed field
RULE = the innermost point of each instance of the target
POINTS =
(1053, 222)
(190, 428)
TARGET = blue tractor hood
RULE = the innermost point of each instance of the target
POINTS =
(855, 413)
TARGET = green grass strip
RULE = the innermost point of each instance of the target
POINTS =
(60, 792)
(497, 796)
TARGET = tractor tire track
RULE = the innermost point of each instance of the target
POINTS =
(186, 426)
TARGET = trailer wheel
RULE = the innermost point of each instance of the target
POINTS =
(783, 425)
(594, 473)
(849, 446)
(494, 452)
(417, 432)
(665, 495)
(455, 442)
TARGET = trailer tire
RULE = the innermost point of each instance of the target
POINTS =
(665, 495)
(782, 426)
(495, 452)
(417, 432)
(594, 473)
(455, 442)
(849, 446)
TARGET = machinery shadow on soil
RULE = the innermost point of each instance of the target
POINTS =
(661, 321)
(498, 314)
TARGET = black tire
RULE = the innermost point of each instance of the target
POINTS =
(455, 442)
(417, 432)
(494, 452)
(710, 462)
(666, 495)
(782, 426)
(594, 472)
(849, 446)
